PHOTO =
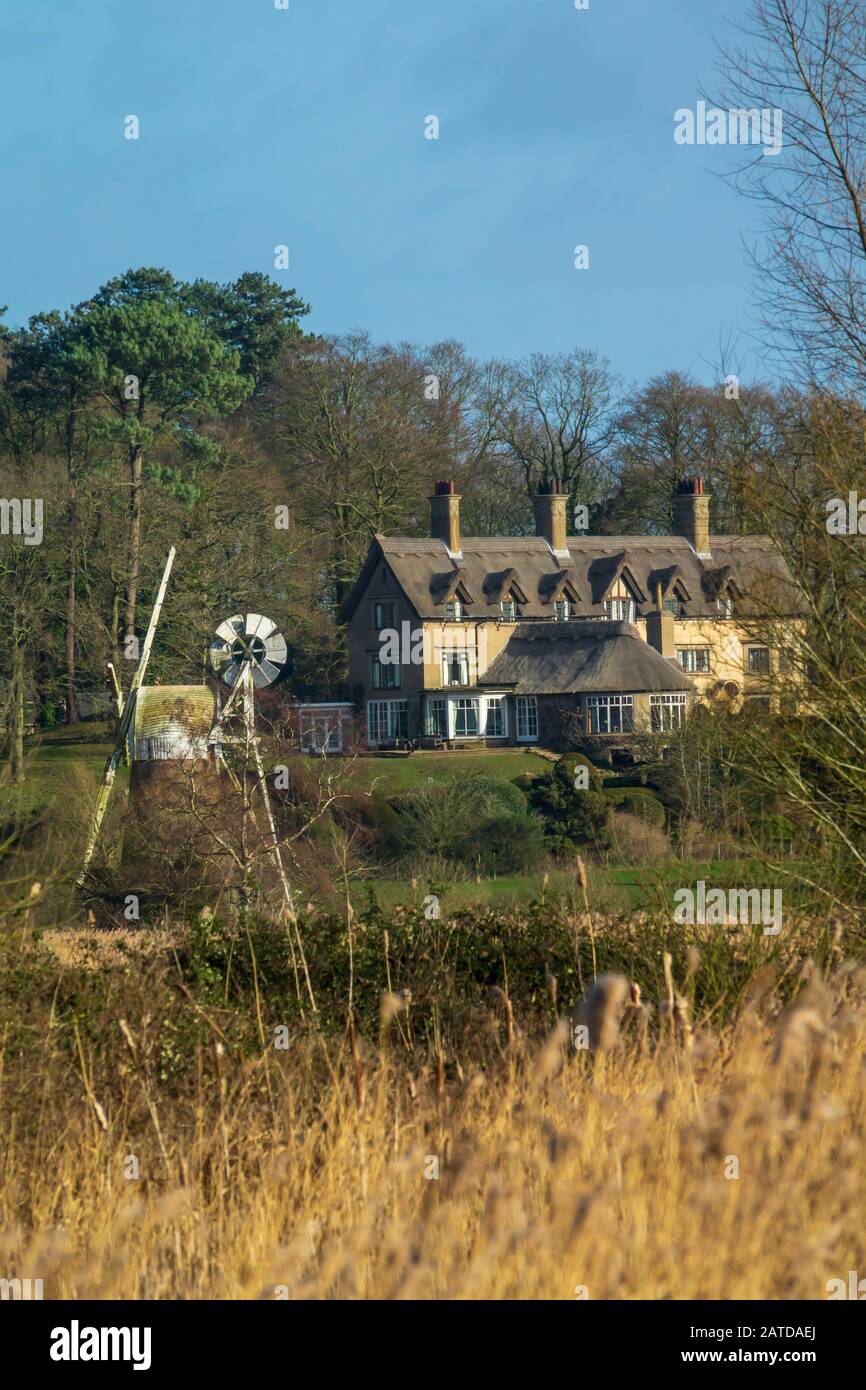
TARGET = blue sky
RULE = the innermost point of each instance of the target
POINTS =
(305, 127)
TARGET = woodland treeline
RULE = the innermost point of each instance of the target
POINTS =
(160, 412)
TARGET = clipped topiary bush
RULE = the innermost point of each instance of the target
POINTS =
(494, 794)
(570, 762)
(635, 801)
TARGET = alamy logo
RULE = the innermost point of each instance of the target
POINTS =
(20, 1289)
(22, 516)
(75, 1343)
(422, 646)
(856, 1287)
(714, 126)
(715, 907)
(846, 516)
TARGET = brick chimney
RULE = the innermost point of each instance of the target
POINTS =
(549, 505)
(692, 515)
(445, 515)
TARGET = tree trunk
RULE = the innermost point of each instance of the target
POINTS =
(71, 598)
(16, 743)
(117, 655)
(134, 550)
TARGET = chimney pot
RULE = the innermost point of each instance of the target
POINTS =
(445, 515)
(692, 514)
(549, 505)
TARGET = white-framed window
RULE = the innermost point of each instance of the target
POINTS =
(455, 668)
(561, 610)
(610, 714)
(667, 712)
(321, 733)
(495, 725)
(527, 717)
(437, 718)
(466, 719)
(454, 610)
(758, 661)
(619, 610)
(508, 608)
(725, 606)
(386, 720)
(694, 658)
(384, 615)
(385, 674)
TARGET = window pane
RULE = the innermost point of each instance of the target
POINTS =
(495, 725)
(466, 723)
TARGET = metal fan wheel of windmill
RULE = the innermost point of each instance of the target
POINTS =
(248, 639)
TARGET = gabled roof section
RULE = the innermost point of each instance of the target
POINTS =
(718, 580)
(604, 573)
(582, 658)
(671, 580)
(558, 586)
(445, 587)
(501, 583)
(375, 556)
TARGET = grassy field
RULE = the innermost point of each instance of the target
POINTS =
(398, 774)
(64, 764)
(59, 762)
(611, 888)
(57, 754)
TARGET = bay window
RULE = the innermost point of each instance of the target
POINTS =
(610, 714)
(466, 719)
(667, 712)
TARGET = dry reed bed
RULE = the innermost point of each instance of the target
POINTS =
(309, 1173)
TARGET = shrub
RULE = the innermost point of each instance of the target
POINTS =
(494, 795)
(572, 819)
(641, 803)
(505, 844)
(570, 762)
(439, 819)
(636, 841)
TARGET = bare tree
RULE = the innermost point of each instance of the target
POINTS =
(557, 419)
(807, 59)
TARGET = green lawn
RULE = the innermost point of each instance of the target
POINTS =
(396, 774)
(55, 764)
(611, 889)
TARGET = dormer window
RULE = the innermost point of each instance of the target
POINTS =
(619, 610)
(675, 606)
(453, 610)
(620, 604)
(725, 606)
(508, 608)
(562, 610)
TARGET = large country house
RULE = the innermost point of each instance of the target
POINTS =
(561, 640)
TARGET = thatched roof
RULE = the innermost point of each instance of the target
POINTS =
(429, 576)
(582, 658)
